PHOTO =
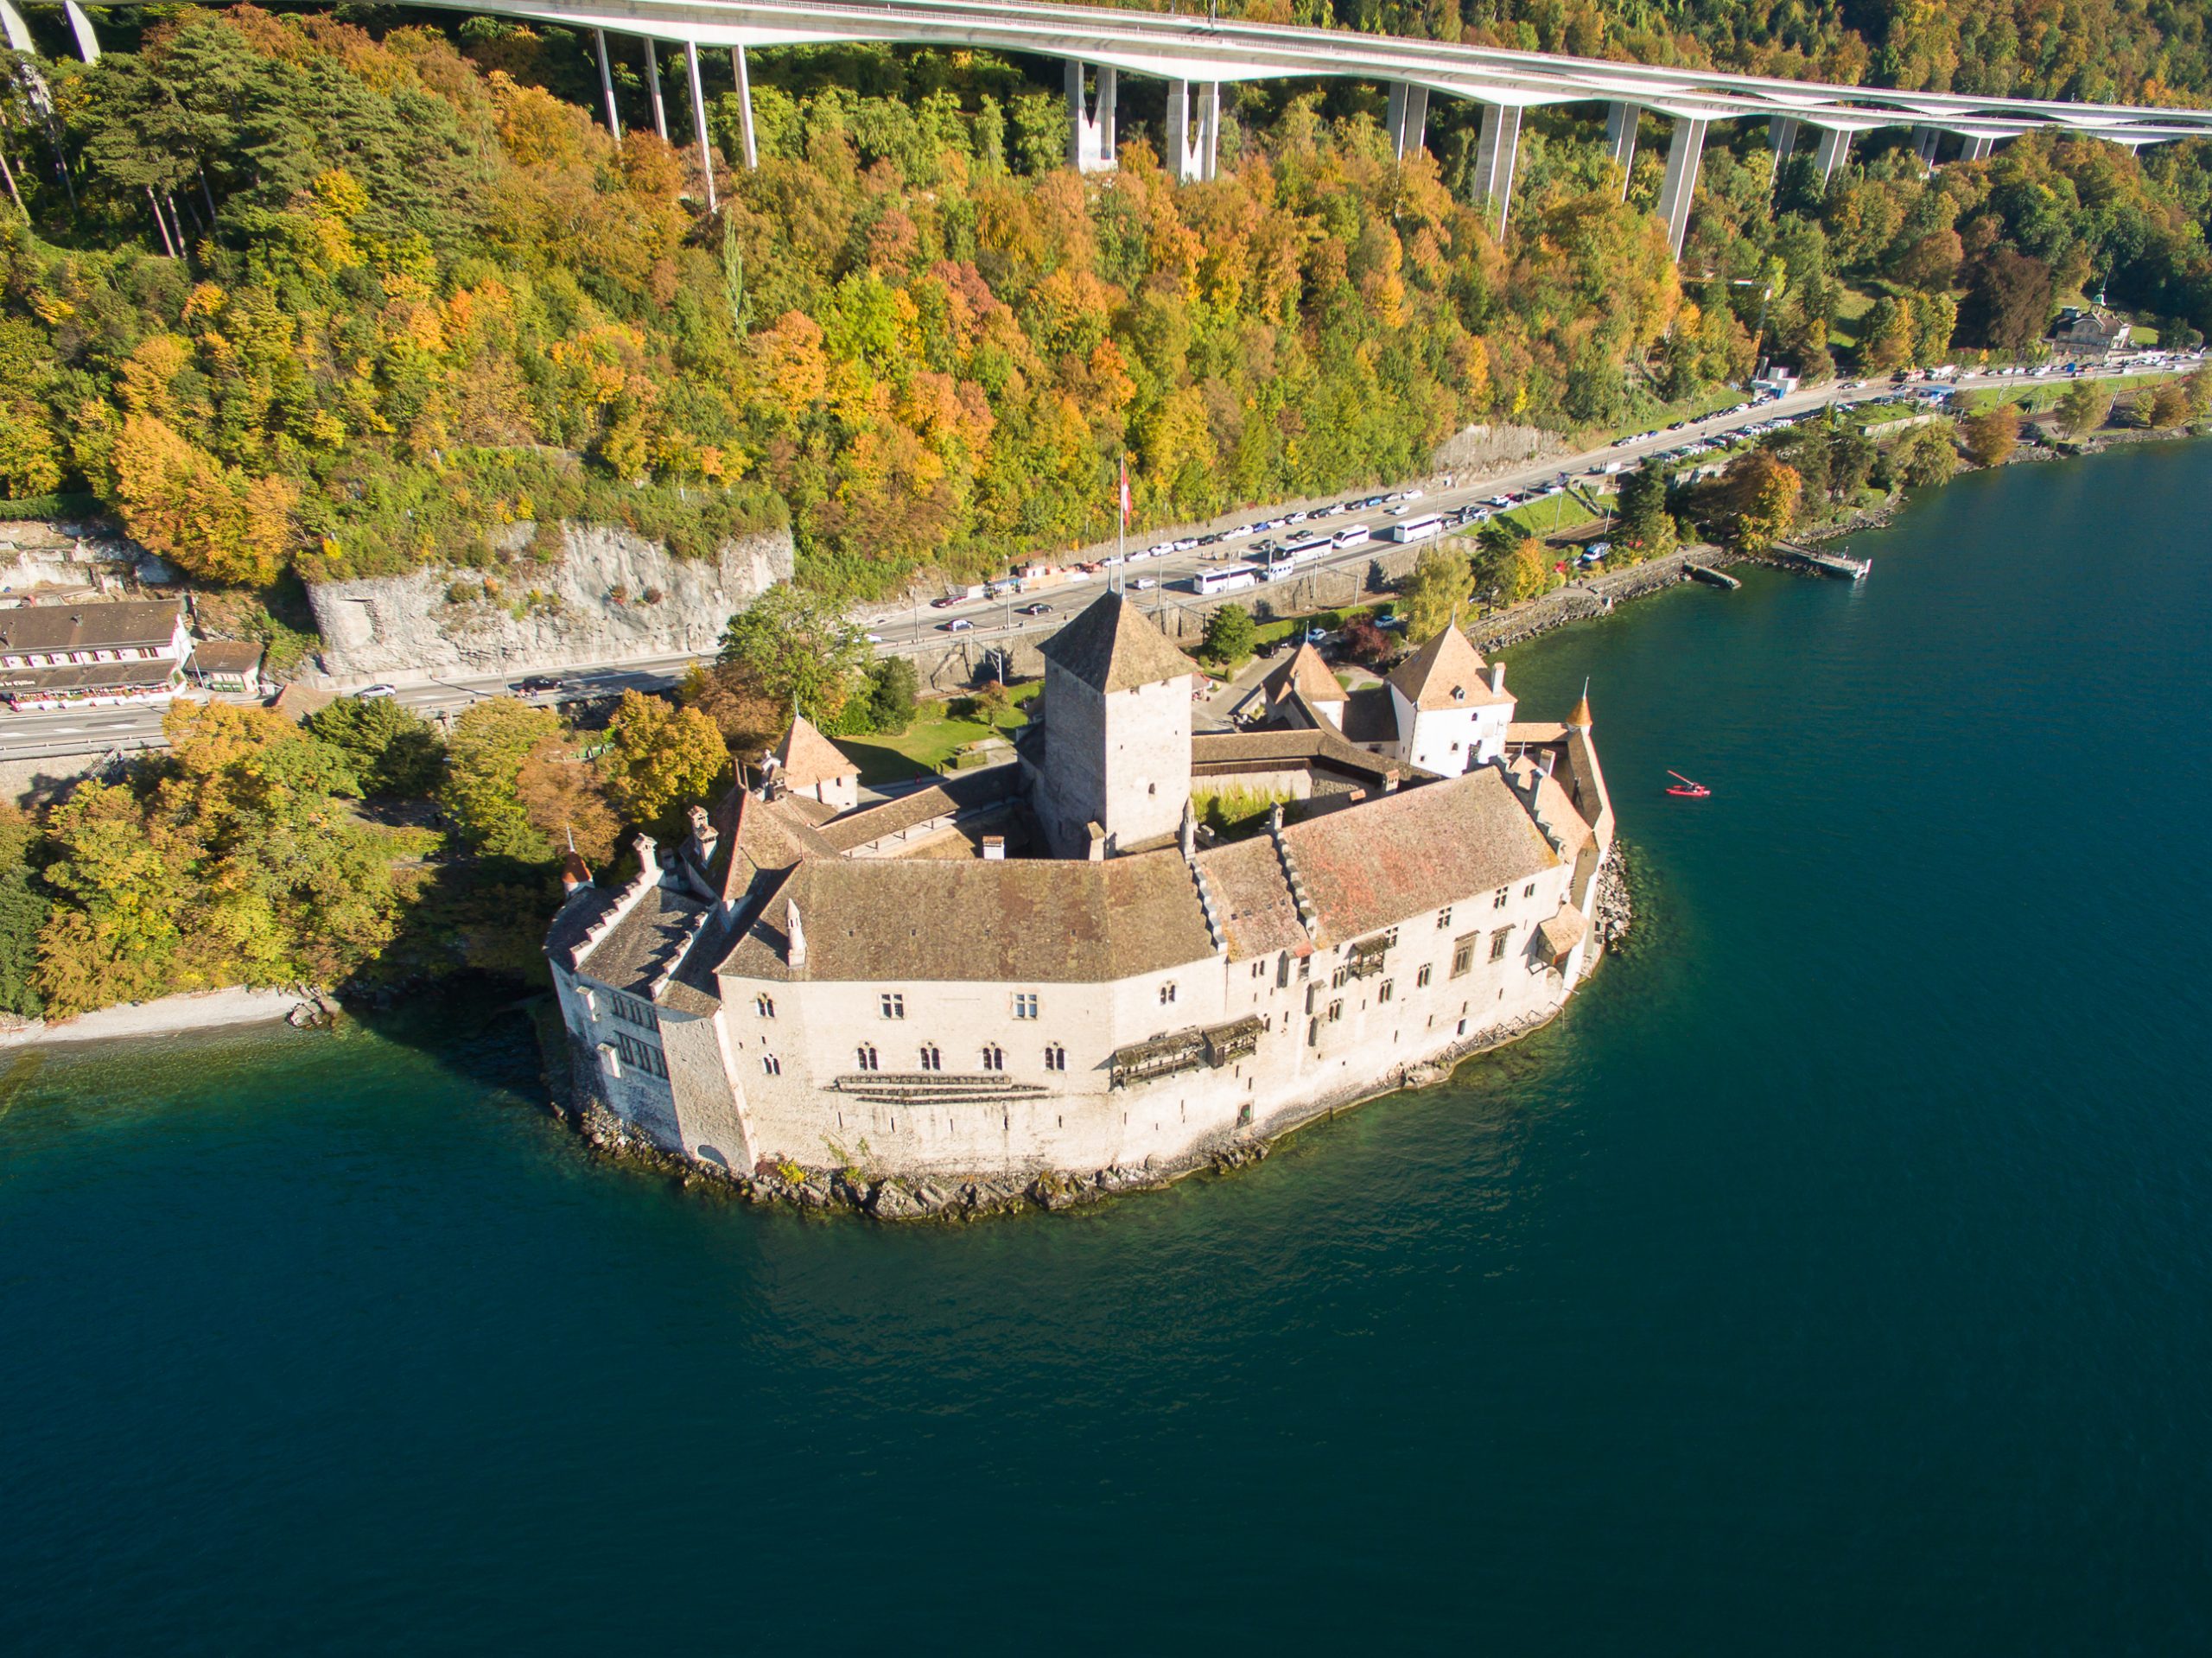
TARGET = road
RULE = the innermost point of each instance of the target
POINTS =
(29, 736)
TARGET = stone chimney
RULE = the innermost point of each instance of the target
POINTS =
(648, 856)
(795, 949)
(1498, 678)
(995, 848)
(705, 837)
(1189, 832)
(1545, 760)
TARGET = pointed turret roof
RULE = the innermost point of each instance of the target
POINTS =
(1306, 674)
(1114, 646)
(1581, 715)
(805, 757)
(1445, 673)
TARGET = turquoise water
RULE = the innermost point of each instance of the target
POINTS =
(1836, 1278)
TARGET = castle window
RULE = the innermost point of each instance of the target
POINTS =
(773, 1065)
(631, 1011)
(1497, 942)
(1056, 1057)
(1305, 966)
(1529, 890)
(1463, 954)
(1444, 918)
(932, 1059)
(1335, 1012)
(867, 1058)
(640, 1056)
(764, 1006)
(994, 1057)
(1384, 991)
(1498, 902)
(894, 1004)
(1024, 1003)
(1421, 978)
(1167, 993)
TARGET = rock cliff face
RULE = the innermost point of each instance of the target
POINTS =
(612, 596)
(1474, 448)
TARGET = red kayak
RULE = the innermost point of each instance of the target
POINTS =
(1687, 790)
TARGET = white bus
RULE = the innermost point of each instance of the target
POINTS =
(1230, 578)
(1425, 527)
(1307, 548)
(1353, 535)
(1280, 567)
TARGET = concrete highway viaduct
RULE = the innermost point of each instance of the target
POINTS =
(1195, 56)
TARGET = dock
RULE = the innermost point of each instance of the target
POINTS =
(1711, 577)
(1851, 569)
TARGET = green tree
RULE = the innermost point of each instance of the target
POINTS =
(1230, 635)
(1929, 455)
(484, 760)
(1645, 521)
(23, 909)
(2083, 409)
(394, 750)
(894, 694)
(1434, 593)
(662, 758)
(795, 649)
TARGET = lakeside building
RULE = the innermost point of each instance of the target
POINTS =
(1048, 966)
(79, 655)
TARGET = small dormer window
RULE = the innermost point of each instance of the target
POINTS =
(1458, 693)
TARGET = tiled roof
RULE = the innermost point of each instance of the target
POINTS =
(1560, 931)
(1420, 848)
(1313, 742)
(133, 624)
(1446, 666)
(1253, 903)
(226, 656)
(637, 950)
(1020, 920)
(140, 674)
(1306, 674)
(805, 757)
(1111, 646)
(958, 791)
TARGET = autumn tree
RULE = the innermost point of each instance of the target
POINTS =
(662, 758)
(564, 797)
(1755, 502)
(394, 750)
(1991, 434)
(2083, 409)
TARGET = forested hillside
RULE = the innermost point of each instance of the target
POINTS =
(339, 298)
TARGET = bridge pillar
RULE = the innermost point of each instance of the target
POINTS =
(1195, 156)
(1620, 139)
(653, 79)
(1977, 149)
(1924, 140)
(88, 45)
(1091, 145)
(1407, 122)
(744, 73)
(1782, 133)
(606, 84)
(1684, 151)
(1496, 152)
(699, 121)
(1834, 150)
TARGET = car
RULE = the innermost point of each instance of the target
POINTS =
(535, 685)
(1186, 544)
(1144, 584)
(1239, 532)
(1208, 541)
(946, 603)
(1034, 610)
(1298, 517)
(1112, 558)
(1266, 524)
(1315, 635)
(957, 625)
(376, 692)
(1411, 495)
(873, 638)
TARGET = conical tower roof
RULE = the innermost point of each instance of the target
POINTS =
(805, 757)
(1582, 714)
(1445, 673)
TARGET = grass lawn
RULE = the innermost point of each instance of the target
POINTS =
(926, 746)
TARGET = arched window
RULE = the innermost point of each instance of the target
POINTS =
(932, 1059)
(764, 1006)
(867, 1058)
(773, 1065)
(1167, 993)
(1056, 1057)
(994, 1057)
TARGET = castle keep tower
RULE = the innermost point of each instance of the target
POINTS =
(1117, 733)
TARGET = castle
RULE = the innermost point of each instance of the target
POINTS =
(1048, 965)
